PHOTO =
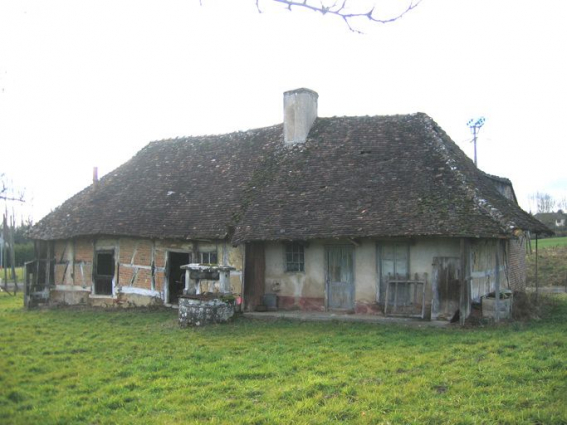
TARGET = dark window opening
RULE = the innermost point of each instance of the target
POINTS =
(209, 257)
(104, 272)
(294, 257)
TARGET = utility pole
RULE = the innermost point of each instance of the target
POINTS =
(475, 126)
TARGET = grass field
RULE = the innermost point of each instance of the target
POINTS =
(550, 242)
(19, 274)
(552, 263)
(70, 366)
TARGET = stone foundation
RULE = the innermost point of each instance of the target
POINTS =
(199, 312)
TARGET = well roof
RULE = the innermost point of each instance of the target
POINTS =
(382, 176)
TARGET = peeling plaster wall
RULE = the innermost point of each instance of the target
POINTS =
(422, 253)
(140, 269)
(483, 268)
(307, 290)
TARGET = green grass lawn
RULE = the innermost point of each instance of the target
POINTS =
(550, 242)
(70, 366)
(552, 265)
(19, 274)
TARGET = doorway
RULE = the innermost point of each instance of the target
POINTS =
(103, 272)
(446, 287)
(340, 277)
(176, 276)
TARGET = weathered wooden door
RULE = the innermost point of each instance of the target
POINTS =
(103, 272)
(446, 287)
(254, 275)
(340, 277)
(394, 263)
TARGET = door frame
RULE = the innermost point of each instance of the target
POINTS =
(328, 281)
(97, 276)
(167, 267)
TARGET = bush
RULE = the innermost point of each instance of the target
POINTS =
(23, 252)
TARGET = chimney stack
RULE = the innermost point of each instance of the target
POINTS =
(300, 111)
(95, 175)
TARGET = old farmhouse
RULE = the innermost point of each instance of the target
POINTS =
(375, 215)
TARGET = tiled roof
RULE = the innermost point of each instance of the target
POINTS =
(354, 177)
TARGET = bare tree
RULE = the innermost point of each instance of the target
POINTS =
(544, 202)
(7, 192)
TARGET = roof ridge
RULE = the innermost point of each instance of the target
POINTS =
(214, 135)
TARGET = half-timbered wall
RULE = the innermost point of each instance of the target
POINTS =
(140, 270)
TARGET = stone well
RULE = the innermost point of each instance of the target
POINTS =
(199, 310)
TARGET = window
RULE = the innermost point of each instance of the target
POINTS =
(209, 257)
(294, 258)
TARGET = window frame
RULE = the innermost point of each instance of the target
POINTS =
(208, 254)
(297, 262)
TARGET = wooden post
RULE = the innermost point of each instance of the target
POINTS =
(11, 228)
(37, 249)
(497, 284)
(462, 306)
(435, 291)
(73, 247)
(5, 249)
(187, 282)
(536, 270)
(153, 265)
(48, 266)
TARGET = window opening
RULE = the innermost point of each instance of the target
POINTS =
(294, 257)
(209, 257)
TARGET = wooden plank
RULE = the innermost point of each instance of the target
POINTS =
(254, 275)
(48, 265)
(497, 284)
(462, 301)
(153, 264)
(73, 261)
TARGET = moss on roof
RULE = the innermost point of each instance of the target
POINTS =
(354, 177)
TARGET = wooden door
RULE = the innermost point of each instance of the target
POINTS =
(254, 275)
(446, 287)
(103, 272)
(394, 263)
(340, 277)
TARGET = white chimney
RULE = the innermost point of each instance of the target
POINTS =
(300, 111)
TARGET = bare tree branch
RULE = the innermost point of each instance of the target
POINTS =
(7, 193)
(340, 10)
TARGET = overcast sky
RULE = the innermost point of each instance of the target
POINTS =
(89, 83)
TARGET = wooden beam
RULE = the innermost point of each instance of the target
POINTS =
(536, 272)
(462, 301)
(497, 284)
